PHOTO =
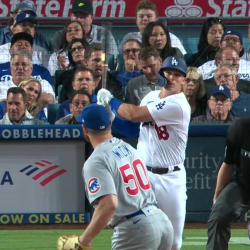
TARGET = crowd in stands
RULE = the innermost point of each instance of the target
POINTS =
(37, 76)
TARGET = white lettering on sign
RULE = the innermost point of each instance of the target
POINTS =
(239, 8)
(41, 133)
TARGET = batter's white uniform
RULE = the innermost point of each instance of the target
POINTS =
(162, 144)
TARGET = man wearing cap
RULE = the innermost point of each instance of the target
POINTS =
(23, 40)
(164, 115)
(230, 38)
(25, 22)
(219, 106)
(226, 74)
(82, 11)
(117, 185)
(6, 33)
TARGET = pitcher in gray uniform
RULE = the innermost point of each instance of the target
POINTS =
(117, 185)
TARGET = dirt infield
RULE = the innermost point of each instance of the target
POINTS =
(238, 225)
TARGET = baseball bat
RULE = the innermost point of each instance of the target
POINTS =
(105, 50)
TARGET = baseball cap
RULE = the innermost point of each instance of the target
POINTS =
(21, 36)
(95, 117)
(83, 6)
(26, 6)
(24, 17)
(236, 33)
(175, 63)
(221, 90)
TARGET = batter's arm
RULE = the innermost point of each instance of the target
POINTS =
(134, 113)
(223, 178)
(105, 209)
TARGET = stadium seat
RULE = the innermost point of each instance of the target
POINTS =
(52, 108)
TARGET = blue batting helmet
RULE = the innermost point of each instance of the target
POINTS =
(174, 63)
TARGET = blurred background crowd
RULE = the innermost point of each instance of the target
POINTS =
(48, 78)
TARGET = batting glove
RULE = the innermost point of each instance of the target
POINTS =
(70, 243)
(104, 97)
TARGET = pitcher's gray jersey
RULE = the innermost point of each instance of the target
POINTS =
(115, 168)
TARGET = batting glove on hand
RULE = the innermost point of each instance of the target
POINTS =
(70, 243)
(104, 97)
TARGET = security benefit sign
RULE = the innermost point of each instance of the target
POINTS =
(204, 156)
(41, 182)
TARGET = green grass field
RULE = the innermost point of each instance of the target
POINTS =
(194, 239)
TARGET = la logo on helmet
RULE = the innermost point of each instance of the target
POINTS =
(174, 62)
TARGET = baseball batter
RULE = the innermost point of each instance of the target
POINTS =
(165, 117)
(118, 186)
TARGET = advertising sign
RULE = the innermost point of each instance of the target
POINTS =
(41, 182)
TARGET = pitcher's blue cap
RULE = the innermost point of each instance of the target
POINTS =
(175, 63)
(95, 117)
(221, 90)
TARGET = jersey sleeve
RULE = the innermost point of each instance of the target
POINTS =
(98, 180)
(165, 112)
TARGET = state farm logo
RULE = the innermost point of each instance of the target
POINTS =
(43, 171)
(183, 8)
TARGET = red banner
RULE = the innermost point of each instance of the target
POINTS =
(126, 8)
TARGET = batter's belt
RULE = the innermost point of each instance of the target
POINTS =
(162, 170)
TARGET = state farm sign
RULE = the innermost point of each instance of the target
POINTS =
(126, 8)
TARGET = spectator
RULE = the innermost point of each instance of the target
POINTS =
(231, 38)
(79, 99)
(64, 78)
(17, 113)
(227, 75)
(24, 41)
(25, 23)
(21, 68)
(84, 78)
(138, 87)
(228, 55)
(93, 60)
(6, 33)
(209, 42)
(59, 59)
(156, 35)
(219, 106)
(195, 92)
(130, 54)
(82, 11)
(246, 55)
(33, 90)
(146, 12)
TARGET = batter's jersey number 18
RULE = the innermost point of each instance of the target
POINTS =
(134, 176)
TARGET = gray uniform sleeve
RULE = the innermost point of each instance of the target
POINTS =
(98, 179)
